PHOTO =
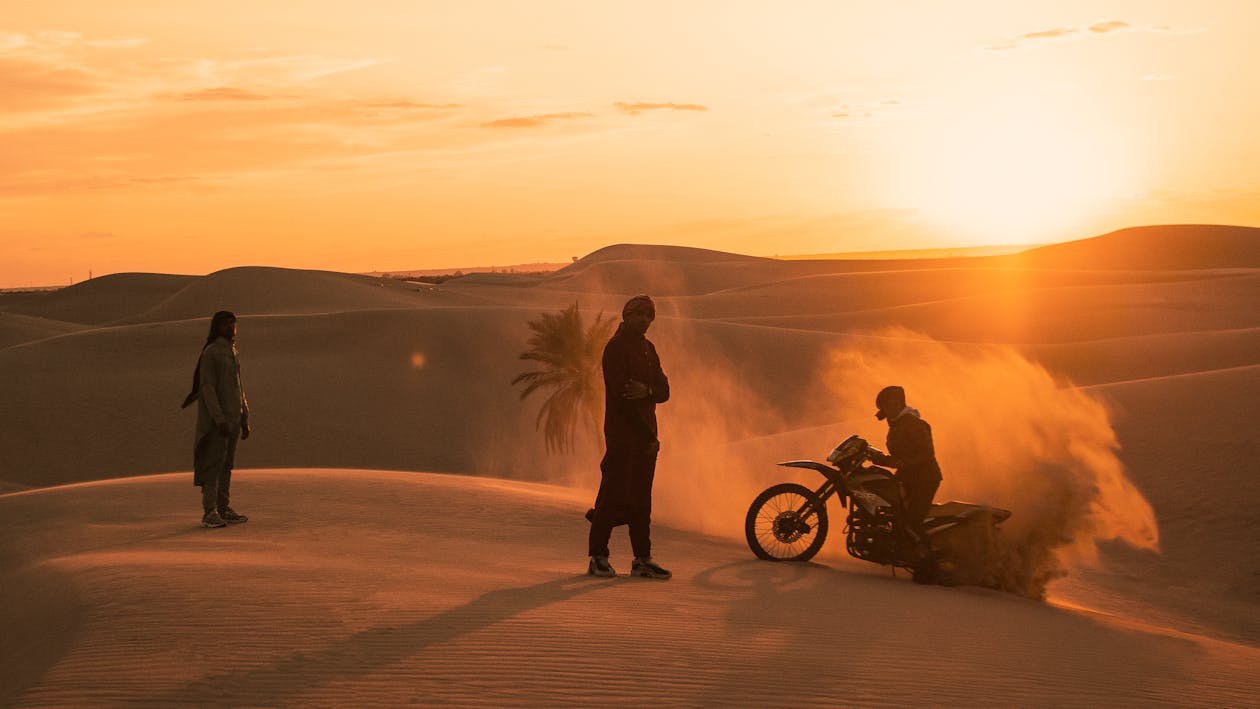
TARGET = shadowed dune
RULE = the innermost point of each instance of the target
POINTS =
(1190, 445)
(429, 589)
(265, 291)
(1059, 315)
(102, 300)
(17, 329)
(866, 293)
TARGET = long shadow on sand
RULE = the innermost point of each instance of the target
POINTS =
(364, 652)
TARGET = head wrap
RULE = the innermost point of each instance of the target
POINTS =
(219, 318)
(638, 302)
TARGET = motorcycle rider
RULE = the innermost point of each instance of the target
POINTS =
(911, 452)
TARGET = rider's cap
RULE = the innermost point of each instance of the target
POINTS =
(890, 395)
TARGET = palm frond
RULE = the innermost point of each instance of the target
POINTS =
(569, 352)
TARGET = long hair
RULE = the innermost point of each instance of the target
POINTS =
(219, 318)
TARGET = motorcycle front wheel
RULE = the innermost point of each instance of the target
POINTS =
(787, 522)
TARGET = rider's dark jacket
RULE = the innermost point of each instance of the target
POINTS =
(910, 449)
(631, 423)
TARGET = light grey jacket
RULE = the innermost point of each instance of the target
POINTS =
(221, 398)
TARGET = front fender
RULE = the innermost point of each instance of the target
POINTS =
(811, 465)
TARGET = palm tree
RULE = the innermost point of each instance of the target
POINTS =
(570, 354)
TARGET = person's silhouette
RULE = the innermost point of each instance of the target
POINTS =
(222, 419)
(633, 385)
(912, 453)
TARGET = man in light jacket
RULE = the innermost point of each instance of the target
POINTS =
(222, 420)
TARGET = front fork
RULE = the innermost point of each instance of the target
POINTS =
(824, 491)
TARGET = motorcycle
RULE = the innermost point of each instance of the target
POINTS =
(788, 522)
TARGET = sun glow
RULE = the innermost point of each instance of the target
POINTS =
(1015, 172)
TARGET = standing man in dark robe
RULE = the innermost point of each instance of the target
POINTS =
(912, 453)
(633, 385)
(222, 420)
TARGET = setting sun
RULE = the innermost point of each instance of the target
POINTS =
(1016, 170)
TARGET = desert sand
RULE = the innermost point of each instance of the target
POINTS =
(1106, 389)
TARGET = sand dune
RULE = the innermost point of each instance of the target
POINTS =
(352, 372)
(266, 291)
(1057, 315)
(681, 271)
(1190, 445)
(105, 299)
(420, 589)
(1165, 247)
(880, 290)
(1117, 359)
(402, 389)
(17, 329)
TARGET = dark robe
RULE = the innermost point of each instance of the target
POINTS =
(630, 435)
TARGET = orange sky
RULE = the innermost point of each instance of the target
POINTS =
(187, 137)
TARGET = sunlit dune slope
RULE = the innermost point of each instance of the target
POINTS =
(382, 589)
(1164, 247)
(677, 271)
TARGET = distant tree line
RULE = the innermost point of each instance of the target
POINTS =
(444, 277)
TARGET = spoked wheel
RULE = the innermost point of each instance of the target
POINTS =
(786, 523)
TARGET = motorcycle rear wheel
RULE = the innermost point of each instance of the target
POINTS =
(786, 522)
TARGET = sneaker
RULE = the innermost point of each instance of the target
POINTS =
(649, 569)
(231, 516)
(212, 519)
(600, 567)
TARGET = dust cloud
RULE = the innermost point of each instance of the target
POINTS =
(1007, 434)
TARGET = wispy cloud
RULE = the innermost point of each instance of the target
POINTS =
(36, 85)
(535, 121)
(117, 42)
(866, 112)
(221, 93)
(1076, 32)
(62, 181)
(405, 105)
(1110, 26)
(635, 109)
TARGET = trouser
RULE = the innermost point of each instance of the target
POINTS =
(918, 500)
(625, 497)
(213, 460)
